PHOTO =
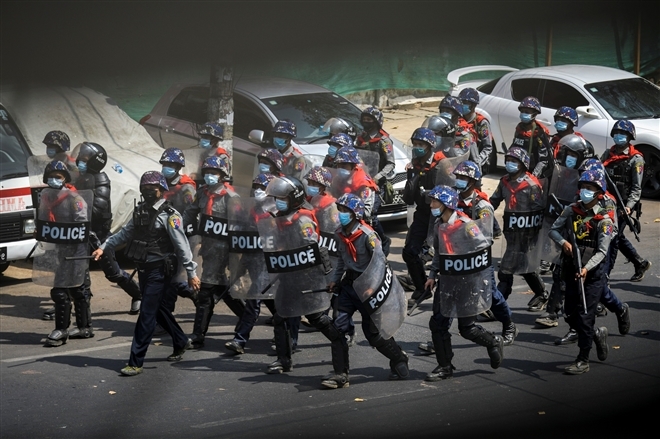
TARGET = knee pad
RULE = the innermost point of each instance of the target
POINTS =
(437, 328)
(323, 323)
(60, 296)
(470, 332)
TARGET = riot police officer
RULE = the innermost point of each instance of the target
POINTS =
(335, 143)
(532, 136)
(271, 162)
(57, 146)
(155, 240)
(566, 119)
(478, 124)
(294, 163)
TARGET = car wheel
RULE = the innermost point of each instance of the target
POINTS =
(651, 180)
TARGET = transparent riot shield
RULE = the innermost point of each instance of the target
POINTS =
(564, 185)
(341, 183)
(194, 160)
(445, 170)
(370, 159)
(382, 294)
(63, 228)
(249, 278)
(294, 261)
(327, 215)
(297, 167)
(36, 165)
(466, 276)
(180, 197)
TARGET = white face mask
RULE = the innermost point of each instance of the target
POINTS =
(259, 194)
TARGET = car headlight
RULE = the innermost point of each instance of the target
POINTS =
(29, 227)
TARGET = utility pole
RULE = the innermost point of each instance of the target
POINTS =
(221, 103)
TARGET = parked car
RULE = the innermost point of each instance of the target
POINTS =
(600, 95)
(259, 102)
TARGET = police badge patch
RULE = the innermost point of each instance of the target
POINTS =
(175, 222)
(307, 230)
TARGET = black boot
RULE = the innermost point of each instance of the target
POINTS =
(443, 354)
(509, 333)
(62, 321)
(398, 359)
(570, 337)
(623, 319)
(83, 314)
(282, 346)
(600, 340)
(494, 345)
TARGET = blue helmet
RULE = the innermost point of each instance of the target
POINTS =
(453, 103)
(286, 127)
(567, 113)
(321, 175)
(519, 153)
(352, 202)
(594, 176)
(58, 166)
(173, 155)
(530, 102)
(273, 156)
(59, 139)
(592, 163)
(625, 126)
(341, 140)
(424, 135)
(347, 154)
(212, 129)
(375, 113)
(469, 169)
(469, 95)
(262, 180)
(216, 162)
(446, 195)
(154, 177)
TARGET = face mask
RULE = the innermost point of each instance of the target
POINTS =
(312, 191)
(51, 152)
(511, 167)
(526, 117)
(264, 168)
(587, 196)
(368, 126)
(343, 172)
(211, 179)
(466, 110)
(560, 125)
(150, 195)
(446, 115)
(418, 151)
(169, 172)
(204, 143)
(282, 205)
(436, 212)
(345, 218)
(571, 161)
(461, 184)
(620, 139)
(332, 151)
(259, 194)
(55, 183)
(82, 167)
(279, 143)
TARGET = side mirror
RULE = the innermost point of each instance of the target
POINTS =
(588, 111)
(256, 136)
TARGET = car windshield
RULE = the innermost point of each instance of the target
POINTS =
(633, 98)
(311, 111)
(14, 152)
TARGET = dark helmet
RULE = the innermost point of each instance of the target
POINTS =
(347, 154)
(374, 113)
(58, 166)
(424, 135)
(341, 140)
(594, 176)
(273, 156)
(173, 155)
(94, 155)
(469, 169)
(321, 175)
(453, 103)
(262, 180)
(290, 188)
(567, 113)
(440, 126)
(519, 153)
(576, 144)
(212, 129)
(625, 126)
(215, 162)
(446, 195)
(590, 152)
(352, 202)
(154, 177)
(58, 138)
(530, 102)
(337, 125)
(469, 95)
(285, 127)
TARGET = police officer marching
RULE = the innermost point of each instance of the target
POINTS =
(478, 124)
(156, 241)
(532, 136)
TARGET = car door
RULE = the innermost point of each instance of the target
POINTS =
(188, 110)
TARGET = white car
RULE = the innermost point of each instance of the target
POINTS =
(259, 102)
(600, 95)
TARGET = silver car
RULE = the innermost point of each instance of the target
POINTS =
(259, 102)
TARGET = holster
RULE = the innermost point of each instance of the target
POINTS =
(170, 266)
(349, 277)
(137, 250)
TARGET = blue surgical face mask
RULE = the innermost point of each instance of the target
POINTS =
(571, 161)
(620, 139)
(466, 110)
(51, 151)
(332, 151)
(436, 212)
(526, 117)
(205, 143)
(345, 218)
(169, 172)
(264, 168)
(82, 167)
(511, 167)
(312, 191)
(587, 196)
(560, 125)
(282, 205)
(279, 143)
(343, 172)
(418, 151)
(461, 184)
(55, 183)
(211, 179)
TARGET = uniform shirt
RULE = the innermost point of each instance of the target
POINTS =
(181, 193)
(173, 225)
(527, 194)
(364, 245)
(601, 216)
(421, 175)
(476, 205)
(636, 162)
(382, 144)
(456, 220)
(65, 206)
(480, 126)
(535, 142)
(362, 186)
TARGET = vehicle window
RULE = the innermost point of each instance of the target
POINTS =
(633, 98)
(489, 86)
(557, 94)
(310, 112)
(521, 88)
(247, 117)
(191, 105)
(14, 152)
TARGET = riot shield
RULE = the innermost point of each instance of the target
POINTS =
(370, 159)
(36, 165)
(63, 228)
(297, 167)
(180, 196)
(341, 183)
(564, 186)
(194, 160)
(327, 215)
(445, 170)
(382, 294)
(466, 277)
(294, 262)
(247, 267)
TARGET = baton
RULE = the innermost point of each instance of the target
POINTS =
(77, 258)
(320, 290)
(419, 300)
(267, 288)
